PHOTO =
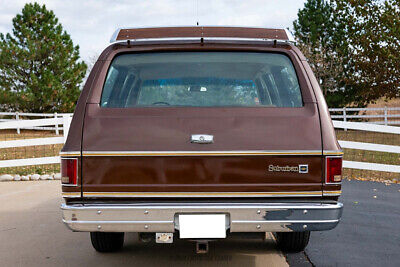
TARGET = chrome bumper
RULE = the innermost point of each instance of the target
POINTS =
(163, 217)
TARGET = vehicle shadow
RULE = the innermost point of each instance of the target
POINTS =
(233, 251)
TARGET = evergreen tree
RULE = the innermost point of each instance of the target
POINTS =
(40, 69)
(315, 23)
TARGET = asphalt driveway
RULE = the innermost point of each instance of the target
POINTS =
(368, 234)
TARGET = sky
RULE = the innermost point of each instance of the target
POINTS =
(92, 22)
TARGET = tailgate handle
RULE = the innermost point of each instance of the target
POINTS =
(202, 139)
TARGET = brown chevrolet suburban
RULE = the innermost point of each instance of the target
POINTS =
(197, 133)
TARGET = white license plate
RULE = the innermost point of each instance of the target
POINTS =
(202, 226)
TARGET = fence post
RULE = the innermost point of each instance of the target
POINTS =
(386, 115)
(344, 116)
(66, 123)
(17, 118)
(57, 131)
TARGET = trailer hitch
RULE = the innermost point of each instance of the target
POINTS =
(201, 247)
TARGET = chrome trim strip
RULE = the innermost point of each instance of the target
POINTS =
(71, 194)
(292, 221)
(202, 205)
(290, 36)
(333, 152)
(332, 193)
(120, 222)
(205, 39)
(70, 153)
(202, 153)
(115, 35)
(202, 194)
(196, 194)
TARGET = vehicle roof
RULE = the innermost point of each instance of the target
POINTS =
(179, 33)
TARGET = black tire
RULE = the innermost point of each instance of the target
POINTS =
(292, 241)
(107, 242)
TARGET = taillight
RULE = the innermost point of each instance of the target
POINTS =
(69, 171)
(333, 170)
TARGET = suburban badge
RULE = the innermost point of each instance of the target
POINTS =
(302, 168)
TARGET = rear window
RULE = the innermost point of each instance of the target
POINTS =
(201, 79)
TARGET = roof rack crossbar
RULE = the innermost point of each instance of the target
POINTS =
(211, 32)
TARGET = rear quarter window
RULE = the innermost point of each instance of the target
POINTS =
(201, 79)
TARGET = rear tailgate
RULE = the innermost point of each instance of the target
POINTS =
(146, 152)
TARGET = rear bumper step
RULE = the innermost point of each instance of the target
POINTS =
(241, 217)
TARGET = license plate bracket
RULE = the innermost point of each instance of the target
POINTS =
(202, 225)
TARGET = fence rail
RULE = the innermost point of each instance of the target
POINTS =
(29, 162)
(16, 116)
(369, 146)
(362, 126)
(387, 114)
(32, 142)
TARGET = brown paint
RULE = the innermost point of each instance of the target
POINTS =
(198, 174)
(169, 129)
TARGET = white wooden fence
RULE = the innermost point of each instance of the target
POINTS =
(65, 121)
(20, 115)
(386, 116)
(362, 126)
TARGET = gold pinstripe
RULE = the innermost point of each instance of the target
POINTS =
(70, 154)
(335, 153)
(199, 194)
(203, 194)
(197, 153)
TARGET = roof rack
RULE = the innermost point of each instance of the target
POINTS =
(195, 32)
